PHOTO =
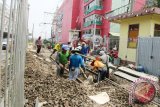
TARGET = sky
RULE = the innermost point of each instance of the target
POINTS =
(37, 16)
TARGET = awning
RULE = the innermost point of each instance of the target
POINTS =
(114, 34)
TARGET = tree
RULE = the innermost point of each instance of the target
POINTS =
(158, 3)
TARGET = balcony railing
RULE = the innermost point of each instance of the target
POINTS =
(89, 23)
(124, 9)
(96, 7)
(86, 1)
(128, 8)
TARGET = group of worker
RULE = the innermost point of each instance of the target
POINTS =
(75, 58)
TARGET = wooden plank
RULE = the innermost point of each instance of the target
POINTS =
(138, 74)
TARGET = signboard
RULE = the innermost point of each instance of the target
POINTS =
(97, 40)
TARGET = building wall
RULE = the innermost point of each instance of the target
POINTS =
(66, 9)
(146, 29)
(106, 25)
(73, 17)
(138, 4)
(75, 13)
(80, 15)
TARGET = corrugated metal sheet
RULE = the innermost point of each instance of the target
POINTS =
(156, 56)
(148, 54)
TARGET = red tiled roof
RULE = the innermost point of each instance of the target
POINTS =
(145, 11)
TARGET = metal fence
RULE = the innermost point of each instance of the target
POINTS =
(148, 54)
(12, 74)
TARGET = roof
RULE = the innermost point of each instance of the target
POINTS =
(145, 11)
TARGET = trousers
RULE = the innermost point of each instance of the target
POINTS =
(60, 71)
(73, 75)
(102, 74)
(38, 48)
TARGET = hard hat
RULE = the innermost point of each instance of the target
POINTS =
(76, 50)
(101, 53)
(65, 47)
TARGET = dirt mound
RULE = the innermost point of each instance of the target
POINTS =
(41, 82)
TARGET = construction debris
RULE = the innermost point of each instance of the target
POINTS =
(41, 82)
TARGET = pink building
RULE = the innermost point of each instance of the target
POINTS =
(84, 16)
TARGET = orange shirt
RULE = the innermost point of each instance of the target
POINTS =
(98, 64)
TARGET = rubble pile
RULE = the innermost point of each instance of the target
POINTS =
(118, 97)
(42, 83)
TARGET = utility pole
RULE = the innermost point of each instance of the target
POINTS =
(95, 20)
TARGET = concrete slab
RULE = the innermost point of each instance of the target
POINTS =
(138, 74)
(126, 76)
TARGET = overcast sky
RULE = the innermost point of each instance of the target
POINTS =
(37, 16)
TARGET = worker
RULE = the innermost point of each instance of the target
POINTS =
(57, 48)
(76, 62)
(99, 67)
(105, 59)
(84, 50)
(62, 59)
(39, 44)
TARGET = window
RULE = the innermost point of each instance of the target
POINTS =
(98, 31)
(98, 2)
(157, 30)
(87, 31)
(133, 35)
(91, 31)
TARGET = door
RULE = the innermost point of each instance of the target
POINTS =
(148, 54)
(144, 52)
(156, 56)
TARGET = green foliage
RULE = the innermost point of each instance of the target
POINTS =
(158, 1)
